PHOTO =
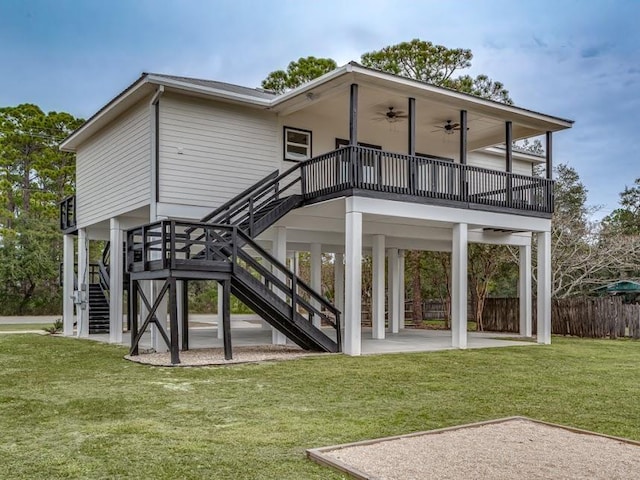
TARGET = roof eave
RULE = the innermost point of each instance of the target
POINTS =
(122, 100)
(70, 143)
(559, 123)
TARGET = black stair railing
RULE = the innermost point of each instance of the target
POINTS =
(242, 209)
(68, 214)
(176, 245)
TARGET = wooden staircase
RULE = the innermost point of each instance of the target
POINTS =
(222, 247)
(98, 310)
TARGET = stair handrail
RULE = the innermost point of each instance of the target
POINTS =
(256, 191)
(104, 273)
(295, 283)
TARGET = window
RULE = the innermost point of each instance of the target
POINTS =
(297, 144)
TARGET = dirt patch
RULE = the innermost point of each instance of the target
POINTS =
(215, 356)
(504, 449)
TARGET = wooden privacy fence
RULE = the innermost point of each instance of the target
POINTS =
(593, 317)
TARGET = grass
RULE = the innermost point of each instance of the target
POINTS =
(76, 409)
(15, 327)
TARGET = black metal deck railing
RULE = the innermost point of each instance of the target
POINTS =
(68, 214)
(362, 168)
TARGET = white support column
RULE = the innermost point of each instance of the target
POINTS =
(394, 290)
(524, 287)
(220, 309)
(67, 285)
(353, 283)
(280, 253)
(338, 273)
(377, 300)
(544, 288)
(401, 287)
(316, 277)
(459, 286)
(83, 283)
(115, 282)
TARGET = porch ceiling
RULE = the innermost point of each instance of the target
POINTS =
(434, 107)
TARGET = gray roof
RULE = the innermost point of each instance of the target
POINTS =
(228, 87)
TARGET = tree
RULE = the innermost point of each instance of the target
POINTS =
(625, 220)
(34, 177)
(435, 64)
(298, 73)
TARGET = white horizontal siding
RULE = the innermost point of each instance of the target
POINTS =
(495, 162)
(113, 168)
(211, 151)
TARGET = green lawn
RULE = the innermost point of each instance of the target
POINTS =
(76, 409)
(14, 327)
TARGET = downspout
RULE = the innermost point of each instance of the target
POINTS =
(154, 108)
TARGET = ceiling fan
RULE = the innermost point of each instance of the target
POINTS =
(449, 128)
(391, 115)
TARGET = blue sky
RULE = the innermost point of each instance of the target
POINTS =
(573, 59)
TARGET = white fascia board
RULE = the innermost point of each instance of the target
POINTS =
(208, 91)
(375, 206)
(338, 72)
(112, 109)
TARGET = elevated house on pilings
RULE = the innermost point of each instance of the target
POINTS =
(194, 179)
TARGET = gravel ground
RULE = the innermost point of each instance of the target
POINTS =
(215, 356)
(511, 449)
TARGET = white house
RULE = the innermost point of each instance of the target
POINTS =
(375, 163)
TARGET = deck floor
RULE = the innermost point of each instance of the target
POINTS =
(248, 330)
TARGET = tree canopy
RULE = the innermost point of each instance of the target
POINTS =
(298, 73)
(435, 64)
(625, 219)
(418, 59)
(34, 176)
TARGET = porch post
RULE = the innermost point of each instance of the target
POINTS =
(459, 286)
(83, 283)
(463, 137)
(220, 311)
(549, 155)
(509, 162)
(338, 286)
(316, 277)
(401, 287)
(226, 318)
(353, 282)
(544, 288)
(411, 148)
(280, 253)
(184, 313)
(173, 322)
(115, 281)
(353, 115)
(394, 291)
(377, 300)
(509, 146)
(67, 285)
(525, 290)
